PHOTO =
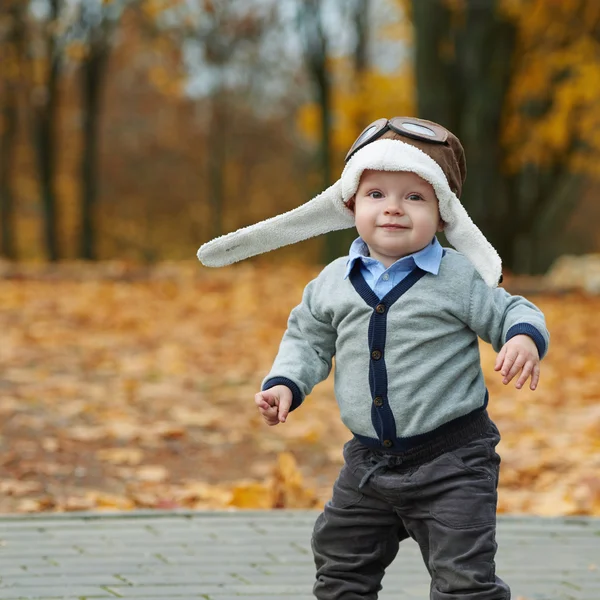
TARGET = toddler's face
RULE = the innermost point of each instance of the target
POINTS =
(396, 214)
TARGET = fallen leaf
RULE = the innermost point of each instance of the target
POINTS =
(121, 456)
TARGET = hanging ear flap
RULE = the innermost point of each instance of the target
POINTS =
(466, 237)
(324, 213)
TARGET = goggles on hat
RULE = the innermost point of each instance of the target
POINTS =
(407, 126)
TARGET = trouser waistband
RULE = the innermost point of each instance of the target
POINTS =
(446, 441)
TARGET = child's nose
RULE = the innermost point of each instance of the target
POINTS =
(394, 207)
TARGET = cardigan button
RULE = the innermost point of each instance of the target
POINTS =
(388, 443)
(376, 354)
(380, 309)
(378, 401)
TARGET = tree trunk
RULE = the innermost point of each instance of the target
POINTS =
(14, 57)
(216, 163)
(463, 74)
(10, 57)
(485, 50)
(92, 79)
(7, 155)
(316, 54)
(435, 71)
(45, 141)
(548, 225)
(335, 241)
(360, 20)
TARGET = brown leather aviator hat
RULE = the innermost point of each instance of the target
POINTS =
(398, 144)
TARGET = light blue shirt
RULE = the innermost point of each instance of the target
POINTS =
(382, 280)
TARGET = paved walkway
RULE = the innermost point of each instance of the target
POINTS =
(227, 555)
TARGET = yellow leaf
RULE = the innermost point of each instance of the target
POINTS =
(154, 473)
(121, 456)
(252, 495)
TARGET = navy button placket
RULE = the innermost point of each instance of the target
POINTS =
(382, 416)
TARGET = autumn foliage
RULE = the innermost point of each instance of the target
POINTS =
(139, 130)
(115, 142)
(126, 387)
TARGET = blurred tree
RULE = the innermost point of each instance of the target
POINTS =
(518, 118)
(220, 30)
(218, 42)
(316, 54)
(93, 32)
(361, 90)
(46, 55)
(463, 64)
(360, 19)
(12, 43)
(551, 132)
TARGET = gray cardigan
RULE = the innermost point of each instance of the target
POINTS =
(409, 363)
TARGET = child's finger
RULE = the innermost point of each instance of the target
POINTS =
(268, 410)
(263, 400)
(507, 363)
(284, 409)
(271, 419)
(500, 358)
(535, 377)
(525, 373)
(270, 415)
(517, 365)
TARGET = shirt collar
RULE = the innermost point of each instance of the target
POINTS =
(428, 259)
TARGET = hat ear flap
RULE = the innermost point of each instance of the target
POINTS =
(466, 237)
(326, 212)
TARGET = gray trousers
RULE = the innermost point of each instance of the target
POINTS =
(447, 505)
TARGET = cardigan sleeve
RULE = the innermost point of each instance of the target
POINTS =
(497, 316)
(306, 349)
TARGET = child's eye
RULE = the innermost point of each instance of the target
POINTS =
(415, 197)
(376, 195)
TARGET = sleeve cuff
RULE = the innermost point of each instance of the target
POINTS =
(532, 332)
(297, 398)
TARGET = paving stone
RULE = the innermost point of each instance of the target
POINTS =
(228, 596)
(165, 592)
(7, 562)
(230, 574)
(226, 555)
(57, 592)
(53, 581)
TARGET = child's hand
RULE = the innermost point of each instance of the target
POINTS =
(274, 404)
(519, 353)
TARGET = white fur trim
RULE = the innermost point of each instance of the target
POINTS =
(392, 155)
(322, 214)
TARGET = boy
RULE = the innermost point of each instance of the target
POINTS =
(402, 316)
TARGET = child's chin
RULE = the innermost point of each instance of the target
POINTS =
(397, 250)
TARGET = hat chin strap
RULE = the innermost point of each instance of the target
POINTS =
(326, 212)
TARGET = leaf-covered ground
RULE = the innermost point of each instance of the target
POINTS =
(124, 387)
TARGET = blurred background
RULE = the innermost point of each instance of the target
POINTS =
(142, 128)
(133, 131)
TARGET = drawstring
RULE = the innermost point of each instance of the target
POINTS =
(387, 461)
